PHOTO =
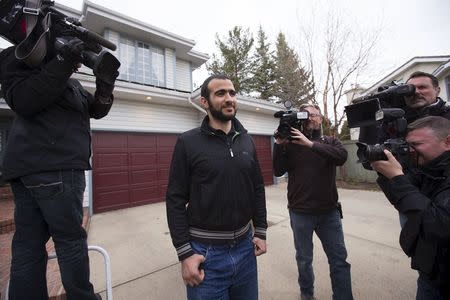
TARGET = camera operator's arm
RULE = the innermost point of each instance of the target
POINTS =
(330, 148)
(103, 99)
(280, 157)
(28, 91)
(428, 217)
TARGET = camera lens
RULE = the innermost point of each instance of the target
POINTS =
(369, 153)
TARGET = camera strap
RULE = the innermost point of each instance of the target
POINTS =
(32, 50)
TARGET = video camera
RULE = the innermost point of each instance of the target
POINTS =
(289, 119)
(380, 117)
(38, 29)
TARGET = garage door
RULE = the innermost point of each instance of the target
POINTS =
(264, 152)
(130, 169)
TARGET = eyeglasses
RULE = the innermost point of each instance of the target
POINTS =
(314, 115)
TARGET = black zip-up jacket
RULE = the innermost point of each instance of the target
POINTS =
(424, 197)
(440, 108)
(51, 130)
(312, 173)
(215, 188)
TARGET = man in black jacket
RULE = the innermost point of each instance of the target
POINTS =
(216, 207)
(423, 195)
(310, 160)
(47, 152)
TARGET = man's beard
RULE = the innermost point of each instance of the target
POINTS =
(219, 115)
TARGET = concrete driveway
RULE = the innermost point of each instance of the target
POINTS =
(145, 266)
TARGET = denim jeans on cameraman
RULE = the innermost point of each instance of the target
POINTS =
(328, 228)
(48, 205)
(230, 272)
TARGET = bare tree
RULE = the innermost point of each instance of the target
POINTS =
(341, 55)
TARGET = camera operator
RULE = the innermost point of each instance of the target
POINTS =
(426, 101)
(310, 160)
(423, 196)
(47, 152)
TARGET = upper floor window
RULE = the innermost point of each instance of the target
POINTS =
(140, 62)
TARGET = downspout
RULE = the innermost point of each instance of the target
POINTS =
(196, 105)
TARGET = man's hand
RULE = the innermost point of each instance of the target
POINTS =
(103, 89)
(260, 246)
(299, 138)
(279, 140)
(192, 276)
(389, 168)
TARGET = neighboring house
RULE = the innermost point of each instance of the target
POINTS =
(154, 102)
(439, 66)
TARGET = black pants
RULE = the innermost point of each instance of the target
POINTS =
(49, 205)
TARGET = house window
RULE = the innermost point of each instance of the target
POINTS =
(141, 62)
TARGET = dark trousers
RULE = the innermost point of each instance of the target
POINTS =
(49, 205)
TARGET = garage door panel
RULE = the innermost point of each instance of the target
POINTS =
(142, 141)
(105, 160)
(111, 179)
(145, 195)
(144, 158)
(110, 140)
(144, 176)
(111, 199)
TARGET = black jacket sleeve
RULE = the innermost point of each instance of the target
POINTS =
(177, 198)
(260, 214)
(29, 91)
(331, 149)
(431, 216)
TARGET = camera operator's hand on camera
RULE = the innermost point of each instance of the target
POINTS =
(71, 49)
(278, 140)
(389, 168)
(299, 138)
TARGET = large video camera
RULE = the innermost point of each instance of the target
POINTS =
(289, 119)
(380, 117)
(39, 30)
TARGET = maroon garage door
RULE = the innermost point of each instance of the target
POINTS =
(131, 169)
(264, 152)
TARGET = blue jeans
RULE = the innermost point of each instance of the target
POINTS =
(49, 204)
(328, 228)
(230, 272)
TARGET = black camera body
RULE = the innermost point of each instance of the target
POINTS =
(382, 123)
(39, 30)
(289, 119)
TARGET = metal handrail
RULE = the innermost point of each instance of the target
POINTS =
(107, 261)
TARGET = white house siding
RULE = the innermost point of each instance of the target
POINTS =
(257, 123)
(169, 57)
(183, 76)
